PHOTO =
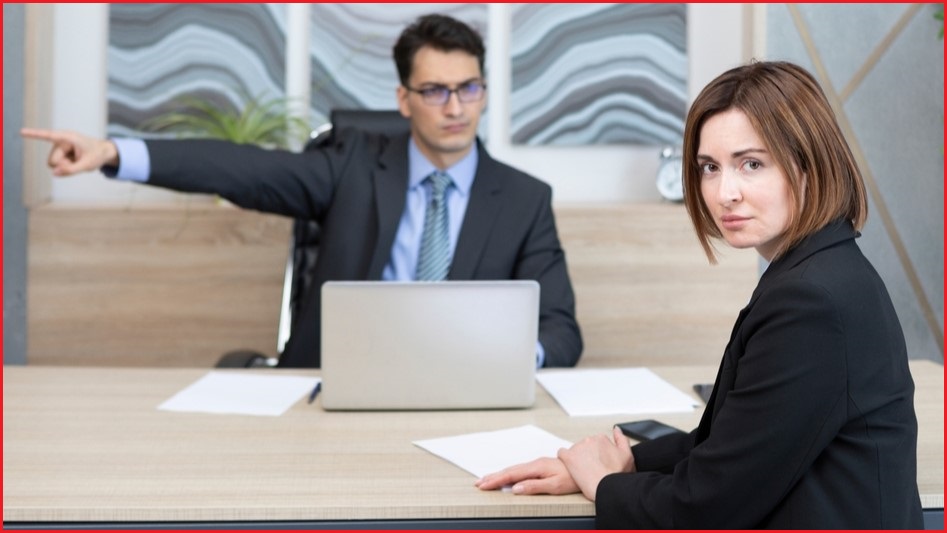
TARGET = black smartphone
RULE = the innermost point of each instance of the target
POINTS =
(642, 430)
(703, 390)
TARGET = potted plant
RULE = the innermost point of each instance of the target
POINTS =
(267, 122)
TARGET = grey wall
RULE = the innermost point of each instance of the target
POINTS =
(14, 214)
(884, 66)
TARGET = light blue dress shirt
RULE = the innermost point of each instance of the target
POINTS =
(135, 165)
(403, 262)
(134, 161)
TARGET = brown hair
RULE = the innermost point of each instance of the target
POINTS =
(791, 114)
(439, 32)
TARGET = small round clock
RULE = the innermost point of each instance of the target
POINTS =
(670, 180)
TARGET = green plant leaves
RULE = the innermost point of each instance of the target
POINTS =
(264, 122)
(939, 15)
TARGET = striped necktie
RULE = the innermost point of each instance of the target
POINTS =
(434, 256)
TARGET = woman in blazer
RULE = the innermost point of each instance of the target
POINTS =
(811, 423)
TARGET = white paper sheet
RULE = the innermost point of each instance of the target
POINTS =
(490, 451)
(238, 393)
(595, 392)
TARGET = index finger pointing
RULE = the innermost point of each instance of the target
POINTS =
(44, 135)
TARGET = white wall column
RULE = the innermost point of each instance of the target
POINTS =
(79, 87)
(298, 66)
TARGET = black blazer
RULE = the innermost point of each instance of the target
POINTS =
(811, 423)
(356, 190)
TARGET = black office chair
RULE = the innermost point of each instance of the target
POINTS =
(304, 248)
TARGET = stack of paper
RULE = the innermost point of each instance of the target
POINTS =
(628, 391)
(239, 393)
(492, 451)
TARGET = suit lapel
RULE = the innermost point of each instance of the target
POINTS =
(829, 236)
(390, 183)
(482, 209)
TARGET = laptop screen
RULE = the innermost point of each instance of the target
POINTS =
(429, 345)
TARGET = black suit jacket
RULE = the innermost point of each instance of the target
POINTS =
(811, 423)
(356, 190)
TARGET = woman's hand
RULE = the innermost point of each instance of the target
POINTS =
(545, 475)
(596, 457)
(579, 468)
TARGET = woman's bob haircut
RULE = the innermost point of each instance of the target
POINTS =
(792, 116)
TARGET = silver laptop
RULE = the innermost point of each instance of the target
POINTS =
(429, 345)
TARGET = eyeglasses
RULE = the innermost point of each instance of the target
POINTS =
(471, 91)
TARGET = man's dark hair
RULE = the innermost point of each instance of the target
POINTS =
(440, 32)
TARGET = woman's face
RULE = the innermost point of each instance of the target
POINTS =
(745, 191)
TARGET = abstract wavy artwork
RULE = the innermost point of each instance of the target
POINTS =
(598, 74)
(217, 52)
(223, 52)
(351, 58)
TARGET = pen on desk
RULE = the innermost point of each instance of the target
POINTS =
(315, 392)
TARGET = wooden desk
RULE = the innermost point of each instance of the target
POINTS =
(87, 446)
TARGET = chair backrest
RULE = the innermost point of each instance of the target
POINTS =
(305, 244)
(387, 122)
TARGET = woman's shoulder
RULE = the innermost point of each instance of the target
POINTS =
(839, 276)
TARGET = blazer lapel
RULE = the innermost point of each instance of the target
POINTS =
(390, 182)
(829, 236)
(482, 209)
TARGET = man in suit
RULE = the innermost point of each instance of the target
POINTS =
(370, 193)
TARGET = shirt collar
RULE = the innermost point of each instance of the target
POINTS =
(462, 173)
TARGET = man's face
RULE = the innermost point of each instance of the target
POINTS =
(444, 133)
